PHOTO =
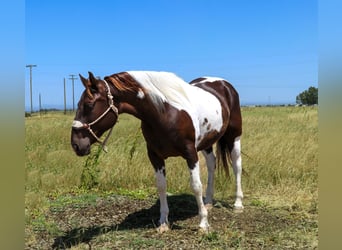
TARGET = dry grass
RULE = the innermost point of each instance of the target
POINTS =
(280, 146)
(283, 147)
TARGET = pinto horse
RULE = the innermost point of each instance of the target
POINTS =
(177, 119)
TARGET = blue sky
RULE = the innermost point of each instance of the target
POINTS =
(267, 49)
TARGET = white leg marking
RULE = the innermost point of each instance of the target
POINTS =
(196, 186)
(211, 162)
(237, 167)
(164, 209)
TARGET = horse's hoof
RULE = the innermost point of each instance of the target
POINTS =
(204, 227)
(163, 228)
(203, 230)
(208, 206)
(238, 209)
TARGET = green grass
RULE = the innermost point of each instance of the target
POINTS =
(280, 146)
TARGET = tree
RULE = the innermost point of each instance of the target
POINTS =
(308, 97)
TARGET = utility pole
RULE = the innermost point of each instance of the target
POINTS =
(40, 104)
(64, 98)
(31, 66)
(72, 78)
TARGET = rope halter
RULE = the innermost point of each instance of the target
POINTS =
(80, 125)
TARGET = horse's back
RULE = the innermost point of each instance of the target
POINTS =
(219, 87)
(228, 97)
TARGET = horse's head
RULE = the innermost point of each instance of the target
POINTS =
(96, 113)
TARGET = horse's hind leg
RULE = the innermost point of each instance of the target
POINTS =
(211, 164)
(235, 154)
(196, 185)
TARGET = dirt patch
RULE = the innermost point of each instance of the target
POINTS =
(118, 222)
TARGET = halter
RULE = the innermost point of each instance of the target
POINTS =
(80, 125)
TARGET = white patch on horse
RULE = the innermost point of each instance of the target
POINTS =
(198, 103)
(141, 94)
(206, 113)
(165, 85)
(210, 79)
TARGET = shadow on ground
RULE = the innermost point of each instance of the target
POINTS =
(182, 207)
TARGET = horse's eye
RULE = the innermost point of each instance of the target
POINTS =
(89, 105)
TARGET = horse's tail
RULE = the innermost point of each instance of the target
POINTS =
(225, 144)
(223, 155)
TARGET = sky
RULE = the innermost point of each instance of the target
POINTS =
(268, 50)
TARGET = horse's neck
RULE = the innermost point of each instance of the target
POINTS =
(137, 107)
(128, 109)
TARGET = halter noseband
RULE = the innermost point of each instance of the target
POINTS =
(80, 125)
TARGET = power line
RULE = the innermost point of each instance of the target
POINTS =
(72, 78)
(31, 66)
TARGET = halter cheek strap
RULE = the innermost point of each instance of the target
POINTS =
(80, 125)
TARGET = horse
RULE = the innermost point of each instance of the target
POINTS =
(177, 119)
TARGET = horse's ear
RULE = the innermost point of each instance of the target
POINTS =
(85, 81)
(92, 79)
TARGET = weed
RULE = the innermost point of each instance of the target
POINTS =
(210, 237)
(90, 173)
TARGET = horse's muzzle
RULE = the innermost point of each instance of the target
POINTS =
(81, 146)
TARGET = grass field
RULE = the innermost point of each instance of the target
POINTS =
(120, 210)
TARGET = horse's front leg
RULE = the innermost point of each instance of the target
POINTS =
(211, 164)
(160, 174)
(196, 185)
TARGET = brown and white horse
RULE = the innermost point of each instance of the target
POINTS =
(177, 119)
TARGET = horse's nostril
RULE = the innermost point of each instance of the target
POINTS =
(75, 147)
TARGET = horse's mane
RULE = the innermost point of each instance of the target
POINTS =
(160, 87)
(123, 82)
